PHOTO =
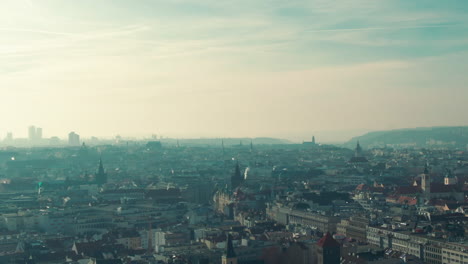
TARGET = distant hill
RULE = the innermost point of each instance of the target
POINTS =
(420, 137)
(227, 141)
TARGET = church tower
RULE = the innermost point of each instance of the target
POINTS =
(358, 155)
(236, 178)
(426, 181)
(229, 256)
(328, 250)
(358, 150)
(101, 176)
(450, 179)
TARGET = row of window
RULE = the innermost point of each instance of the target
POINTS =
(453, 254)
(452, 260)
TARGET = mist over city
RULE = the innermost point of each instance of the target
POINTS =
(233, 132)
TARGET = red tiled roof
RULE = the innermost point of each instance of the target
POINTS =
(408, 190)
(442, 188)
(407, 200)
(362, 187)
(328, 241)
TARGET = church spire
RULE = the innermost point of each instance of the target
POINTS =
(426, 181)
(229, 255)
(358, 150)
(101, 177)
(450, 179)
(229, 252)
(101, 167)
(426, 168)
(236, 178)
(449, 174)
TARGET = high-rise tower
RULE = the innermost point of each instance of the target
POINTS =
(38, 133)
(32, 133)
(73, 139)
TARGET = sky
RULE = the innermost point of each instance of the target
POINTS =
(211, 68)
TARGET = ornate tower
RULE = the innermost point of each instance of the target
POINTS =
(358, 150)
(236, 178)
(229, 256)
(426, 182)
(101, 176)
(328, 250)
(450, 179)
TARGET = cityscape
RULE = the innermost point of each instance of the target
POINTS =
(232, 201)
(233, 132)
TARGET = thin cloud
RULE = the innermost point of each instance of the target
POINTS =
(380, 28)
(140, 62)
(38, 31)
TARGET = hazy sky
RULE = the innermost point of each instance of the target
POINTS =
(189, 68)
